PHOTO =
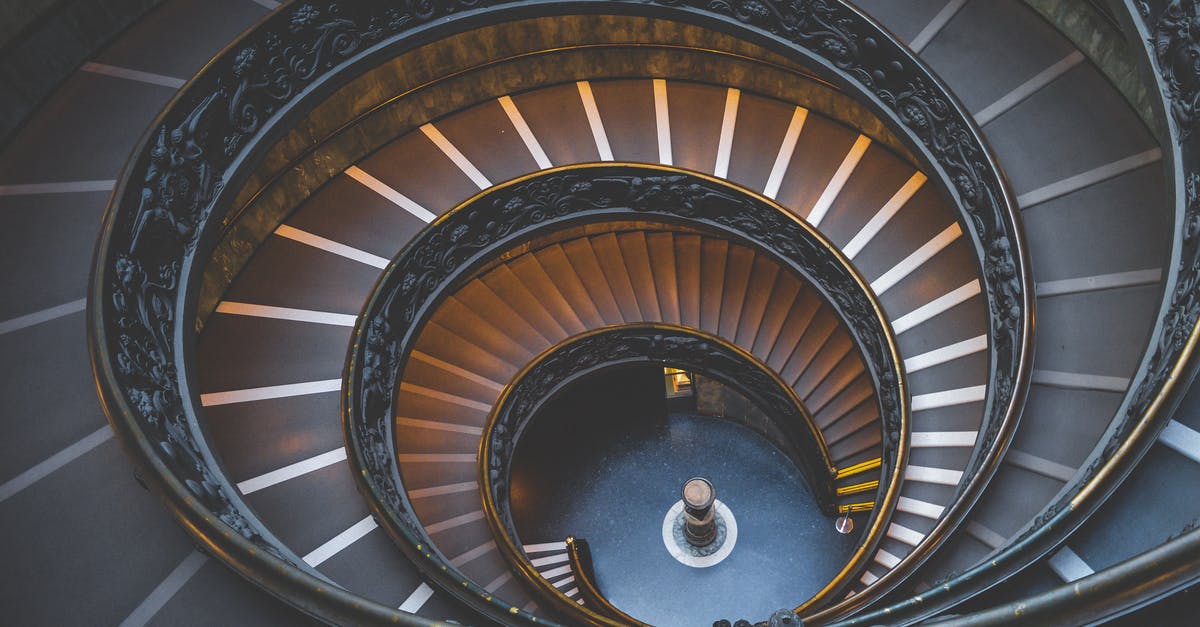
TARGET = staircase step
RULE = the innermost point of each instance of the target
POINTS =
(582, 259)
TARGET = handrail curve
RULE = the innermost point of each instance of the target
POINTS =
(168, 206)
(559, 367)
(1171, 361)
(502, 218)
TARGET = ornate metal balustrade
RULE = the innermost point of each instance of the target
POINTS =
(448, 253)
(680, 347)
(168, 208)
(579, 556)
(563, 365)
(1172, 44)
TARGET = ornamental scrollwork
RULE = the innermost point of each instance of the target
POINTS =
(911, 96)
(498, 219)
(168, 199)
(1175, 44)
(680, 348)
(1175, 41)
(444, 256)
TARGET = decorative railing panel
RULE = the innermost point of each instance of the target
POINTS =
(447, 254)
(678, 347)
(579, 357)
(170, 203)
(1172, 43)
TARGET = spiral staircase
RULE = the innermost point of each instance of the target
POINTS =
(952, 243)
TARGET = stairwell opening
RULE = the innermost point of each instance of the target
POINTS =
(605, 459)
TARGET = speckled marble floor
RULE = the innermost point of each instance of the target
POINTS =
(607, 468)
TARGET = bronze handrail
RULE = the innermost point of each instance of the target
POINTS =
(582, 355)
(580, 558)
(1171, 361)
(166, 212)
(459, 243)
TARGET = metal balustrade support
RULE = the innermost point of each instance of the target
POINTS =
(177, 198)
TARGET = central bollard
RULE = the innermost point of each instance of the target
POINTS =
(700, 525)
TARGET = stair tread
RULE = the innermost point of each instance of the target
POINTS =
(442, 344)
(464, 322)
(759, 291)
(502, 280)
(701, 107)
(714, 256)
(627, 109)
(486, 137)
(687, 271)
(500, 313)
(556, 117)
(413, 166)
(541, 286)
(585, 264)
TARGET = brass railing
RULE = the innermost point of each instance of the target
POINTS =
(169, 206)
(1169, 365)
(582, 356)
(505, 217)
(579, 556)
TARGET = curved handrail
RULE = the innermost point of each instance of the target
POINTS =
(579, 556)
(42, 37)
(497, 220)
(1171, 361)
(1103, 595)
(906, 91)
(169, 202)
(137, 309)
(693, 350)
(566, 363)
